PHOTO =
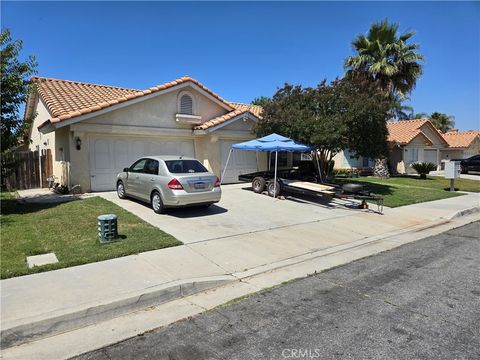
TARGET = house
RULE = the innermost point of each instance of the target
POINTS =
(461, 144)
(409, 141)
(94, 131)
(412, 141)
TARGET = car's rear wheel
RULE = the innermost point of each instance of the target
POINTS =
(121, 190)
(258, 184)
(157, 203)
(464, 169)
(274, 191)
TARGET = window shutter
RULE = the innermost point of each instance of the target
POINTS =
(186, 105)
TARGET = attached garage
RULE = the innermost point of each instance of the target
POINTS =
(109, 155)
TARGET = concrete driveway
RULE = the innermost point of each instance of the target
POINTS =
(239, 212)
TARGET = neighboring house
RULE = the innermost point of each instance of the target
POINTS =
(462, 144)
(413, 141)
(95, 131)
(347, 159)
(409, 141)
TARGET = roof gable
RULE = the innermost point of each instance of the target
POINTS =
(240, 109)
(404, 131)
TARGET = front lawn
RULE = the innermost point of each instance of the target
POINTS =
(70, 231)
(403, 190)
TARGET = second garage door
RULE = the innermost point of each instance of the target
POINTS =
(241, 162)
(108, 156)
(430, 155)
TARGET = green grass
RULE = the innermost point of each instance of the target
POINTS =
(406, 190)
(70, 231)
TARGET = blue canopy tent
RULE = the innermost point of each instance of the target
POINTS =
(272, 143)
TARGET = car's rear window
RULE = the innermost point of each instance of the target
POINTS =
(185, 166)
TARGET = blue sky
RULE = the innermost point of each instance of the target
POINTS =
(242, 50)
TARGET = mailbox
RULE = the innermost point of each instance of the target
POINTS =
(452, 170)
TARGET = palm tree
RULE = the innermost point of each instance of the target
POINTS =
(414, 116)
(399, 110)
(442, 122)
(384, 57)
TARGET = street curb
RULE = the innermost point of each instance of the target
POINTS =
(35, 329)
(466, 212)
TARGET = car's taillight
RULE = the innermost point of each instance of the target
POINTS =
(217, 182)
(174, 184)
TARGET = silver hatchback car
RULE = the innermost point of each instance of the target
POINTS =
(169, 181)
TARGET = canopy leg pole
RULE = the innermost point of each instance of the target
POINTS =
(275, 177)
(225, 168)
(318, 166)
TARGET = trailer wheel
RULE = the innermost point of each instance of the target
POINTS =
(277, 189)
(258, 184)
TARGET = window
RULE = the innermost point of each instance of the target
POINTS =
(185, 166)
(186, 104)
(138, 166)
(413, 157)
(151, 167)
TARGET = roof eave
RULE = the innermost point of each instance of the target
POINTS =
(225, 123)
(46, 127)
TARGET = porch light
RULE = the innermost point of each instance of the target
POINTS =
(78, 142)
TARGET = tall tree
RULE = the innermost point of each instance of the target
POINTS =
(262, 100)
(331, 117)
(15, 86)
(442, 122)
(385, 58)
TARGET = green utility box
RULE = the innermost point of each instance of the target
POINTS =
(107, 228)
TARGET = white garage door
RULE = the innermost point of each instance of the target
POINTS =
(241, 162)
(430, 155)
(108, 156)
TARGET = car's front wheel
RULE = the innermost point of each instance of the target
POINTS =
(157, 203)
(121, 190)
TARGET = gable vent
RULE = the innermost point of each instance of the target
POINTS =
(186, 105)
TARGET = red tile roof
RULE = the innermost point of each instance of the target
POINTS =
(67, 99)
(239, 109)
(461, 139)
(404, 131)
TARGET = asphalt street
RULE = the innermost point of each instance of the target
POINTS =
(419, 301)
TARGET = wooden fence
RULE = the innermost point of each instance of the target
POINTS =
(26, 169)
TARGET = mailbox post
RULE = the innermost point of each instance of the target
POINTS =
(452, 171)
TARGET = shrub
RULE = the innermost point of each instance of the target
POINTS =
(423, 168)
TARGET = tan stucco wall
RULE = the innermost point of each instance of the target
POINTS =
(159, 111)
(396, 160)
(53, 141)
(451, 154)
(37, 138)
(433, 136)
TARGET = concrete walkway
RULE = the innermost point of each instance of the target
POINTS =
(45, 304)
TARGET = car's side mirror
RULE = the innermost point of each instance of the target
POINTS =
(125, 169)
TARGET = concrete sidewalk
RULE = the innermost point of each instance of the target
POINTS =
(42, 305)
